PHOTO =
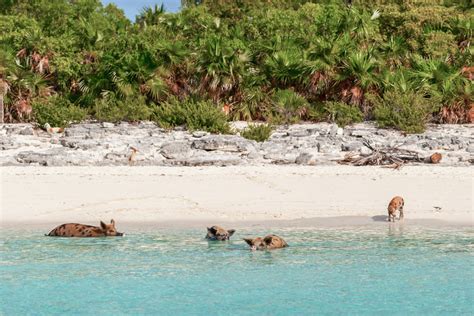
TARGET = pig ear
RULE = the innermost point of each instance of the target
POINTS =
(211, 230)
(102, 225)
(112, 222)
(231, 232)
(268, 240)
(249, 241)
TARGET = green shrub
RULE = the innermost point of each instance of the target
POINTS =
(112, 109)
(341, 113)
(195, 115)
(257, 132)
(243, 52)
(255, 105)
(288, 106)
(440, 45)
(169, 114)
(205, 116)
(57, 112)
(408, 111)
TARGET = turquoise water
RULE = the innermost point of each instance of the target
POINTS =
(358, 270)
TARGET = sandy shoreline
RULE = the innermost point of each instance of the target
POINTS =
(233, 194)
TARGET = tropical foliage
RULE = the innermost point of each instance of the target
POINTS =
(259, 133)
(279, 61)
(194, 115)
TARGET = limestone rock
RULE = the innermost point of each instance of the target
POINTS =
(107, 144)
(227, 143)
(176, 150)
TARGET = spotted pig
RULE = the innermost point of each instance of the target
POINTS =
(81, 230)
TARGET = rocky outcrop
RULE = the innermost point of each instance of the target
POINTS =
(100, 144)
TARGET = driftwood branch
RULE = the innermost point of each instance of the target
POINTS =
(392, 157)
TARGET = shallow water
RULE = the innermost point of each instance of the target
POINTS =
(351, 270)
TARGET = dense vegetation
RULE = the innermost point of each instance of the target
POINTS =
(401, 63)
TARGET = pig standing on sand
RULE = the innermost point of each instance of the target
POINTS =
(396, 204)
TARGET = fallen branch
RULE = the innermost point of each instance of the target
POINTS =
(392, 157)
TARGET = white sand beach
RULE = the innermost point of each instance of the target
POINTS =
(231, 194)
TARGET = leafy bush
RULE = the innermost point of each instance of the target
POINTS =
(408, 111)
(440, 45)
(239, 52)
(288, 106)
(112, 109)
(169, 114)
(257, 132)
(287, 67)
(221, 66)
(255, 105)
(195, 115)
(343, 114)
(57, 112)
(204, 115)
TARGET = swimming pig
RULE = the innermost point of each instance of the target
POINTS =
(219, 233)
(81, 230)
(266, 243)
(396, 204)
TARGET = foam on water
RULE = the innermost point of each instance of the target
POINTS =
(359, 270)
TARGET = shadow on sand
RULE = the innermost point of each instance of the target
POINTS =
(380, 218)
